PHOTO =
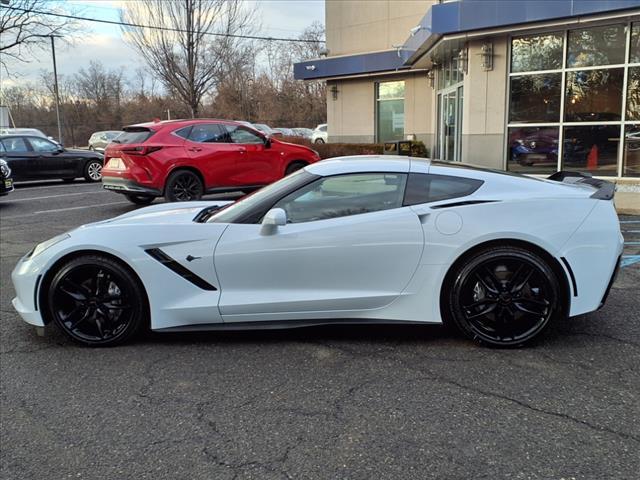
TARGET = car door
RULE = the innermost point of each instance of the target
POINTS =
(259, 163)
(51, 161)
(213, 153)
(20, 157)
(350, 246)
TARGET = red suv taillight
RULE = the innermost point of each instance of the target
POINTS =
(140, 150)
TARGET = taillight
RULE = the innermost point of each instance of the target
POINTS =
(141, 150)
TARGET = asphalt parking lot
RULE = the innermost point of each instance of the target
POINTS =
(325, 402)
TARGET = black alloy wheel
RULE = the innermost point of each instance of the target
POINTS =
(93, 171)
(504, 296)
(294, 167)
(96, 301)
(139, 199)
(183, 186)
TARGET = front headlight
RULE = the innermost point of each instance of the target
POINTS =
(41, 247)
(4, 169)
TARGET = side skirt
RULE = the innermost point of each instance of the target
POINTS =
(285, 324)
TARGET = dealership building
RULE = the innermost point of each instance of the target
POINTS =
(531, 86)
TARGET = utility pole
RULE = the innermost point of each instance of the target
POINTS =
(55, 88)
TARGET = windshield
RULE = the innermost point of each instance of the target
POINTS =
(263, 198)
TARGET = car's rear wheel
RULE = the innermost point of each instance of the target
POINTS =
(319, 140)
(183, 186)
(96, 301)
(503, 296)
(293, 167)
(93, 171)
(139, 199)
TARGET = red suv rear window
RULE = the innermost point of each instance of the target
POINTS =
(134, 135)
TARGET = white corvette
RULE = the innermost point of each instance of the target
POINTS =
(351, 240)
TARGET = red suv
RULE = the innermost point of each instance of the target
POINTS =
(184, 159)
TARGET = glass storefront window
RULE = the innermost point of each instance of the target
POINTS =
(390, 111)
(535, 98)
(631, 154)
(594, 95)
(634, 51)
(592, 148)
(633, 94)
(596, 46)
(533, 149)
(536, 52)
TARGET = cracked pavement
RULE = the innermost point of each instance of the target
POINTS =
(347, 402)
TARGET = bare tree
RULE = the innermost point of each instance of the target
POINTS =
(180, 48)
(22, 26)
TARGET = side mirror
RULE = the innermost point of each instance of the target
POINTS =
(276, 217)
(267, 141)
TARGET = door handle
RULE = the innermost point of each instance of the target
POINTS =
(194, 149)
(242, 150)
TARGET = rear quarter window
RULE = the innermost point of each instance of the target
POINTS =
(424, 188)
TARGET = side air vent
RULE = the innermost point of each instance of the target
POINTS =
(185, 273)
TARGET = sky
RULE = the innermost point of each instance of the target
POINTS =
(281, 18)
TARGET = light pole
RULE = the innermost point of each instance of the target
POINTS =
(55, 88)
(56, 93)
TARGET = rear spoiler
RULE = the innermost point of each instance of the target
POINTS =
(604, 189)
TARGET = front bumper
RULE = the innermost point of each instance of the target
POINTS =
(26, 278)
(125, 185)
(6, 185)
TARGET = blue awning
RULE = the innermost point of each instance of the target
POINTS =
(454, 18)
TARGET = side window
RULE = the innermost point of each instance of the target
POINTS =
(343, 195)
(42, 145)
(207, 133)
(323, 128)
(240, 134)
(183, 132)
(423, 188)
(15, 145)
(2, 149)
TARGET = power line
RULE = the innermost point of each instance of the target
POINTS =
(168, 29)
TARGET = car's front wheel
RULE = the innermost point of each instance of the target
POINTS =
(318, 140)
(294, 166)
(93, 171)
(503, 296)
(183, 186)
(96, 301)
(139, 199)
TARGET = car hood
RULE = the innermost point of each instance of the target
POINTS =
(162, 214)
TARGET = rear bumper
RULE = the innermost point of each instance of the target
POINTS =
(124, 185)
(614, 275)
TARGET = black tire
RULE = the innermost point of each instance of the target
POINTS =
(318, 140)
(91, 148)
(294, 166)
(183, 186)
(93, 170)
(96, 301)
(68, 180)
(503, 297)
(139, 199)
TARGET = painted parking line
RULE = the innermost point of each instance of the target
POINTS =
(60, 195)
(629, 221)
(28, 187)
(55, 210)
(628, 260)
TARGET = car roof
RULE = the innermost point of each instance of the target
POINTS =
(184, 123)
(364, 163)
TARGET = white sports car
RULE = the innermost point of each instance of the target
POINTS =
(352, 240)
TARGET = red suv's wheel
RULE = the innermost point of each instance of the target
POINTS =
(183, 186)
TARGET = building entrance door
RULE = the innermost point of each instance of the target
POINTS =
(450, 123)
